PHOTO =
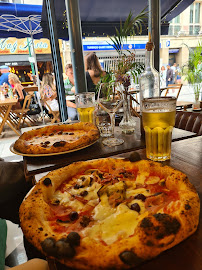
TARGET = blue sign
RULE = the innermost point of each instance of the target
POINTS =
(167, 43)
(109, 47)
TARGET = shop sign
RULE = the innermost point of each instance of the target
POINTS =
(109, 47)
(20, 46)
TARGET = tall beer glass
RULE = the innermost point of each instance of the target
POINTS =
(158, 116)
(85, 104)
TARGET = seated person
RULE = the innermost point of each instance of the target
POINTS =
(48, 92)
(18, 90)
(4, 70)
(70, 91)
(93, 71)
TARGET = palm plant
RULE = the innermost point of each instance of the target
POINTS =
(131, 27)
(192, 70)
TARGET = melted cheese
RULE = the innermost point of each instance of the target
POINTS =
(141, 178)
(103, 209)
(120, 224)
(133, 192)
(153, 180)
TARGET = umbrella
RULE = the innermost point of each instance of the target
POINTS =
(99, 18)
(20, 21)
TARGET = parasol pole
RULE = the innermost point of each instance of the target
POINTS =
(36, 70)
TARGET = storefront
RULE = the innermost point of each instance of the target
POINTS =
(15, 54)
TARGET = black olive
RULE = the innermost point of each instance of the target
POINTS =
(48, 246)
(56, 202)
(85, 221)
(60, 132)
(51, 134)
(73, 238)
(140, 197)
(64, 249)
(84, 193)
(73, 215)
(134, 157)
(71, 133)
(47, 142)
(130, 258)
(157, 193)
(47, 182)
(59, 144)
(135, 207)
(77, 186)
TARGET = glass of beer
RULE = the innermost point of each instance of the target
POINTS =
(85, 104)
(158, 116)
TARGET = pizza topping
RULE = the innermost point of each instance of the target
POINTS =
(59, 144)
(134, 157)
(77, 186)
(71, 133)
(48, 246)
(130, 258)
(47, 142)
(51, 134)
(73, 215)
(47, 182)
(74, 238)
(135, 207)
(85, 221)
(84, 193)
(140, 197)
(64, 249)
(60, 132)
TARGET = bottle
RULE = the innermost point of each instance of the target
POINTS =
(10, 92)
(149, 80)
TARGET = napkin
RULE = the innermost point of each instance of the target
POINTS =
(3, 236)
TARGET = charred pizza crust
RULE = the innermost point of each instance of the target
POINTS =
(82, 133)
(154, 233)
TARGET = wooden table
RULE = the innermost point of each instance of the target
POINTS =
(5, 109)
(184, 104)
(187, 157)
(36, 165)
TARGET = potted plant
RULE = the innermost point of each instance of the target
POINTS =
(126, 68)
(192, 71)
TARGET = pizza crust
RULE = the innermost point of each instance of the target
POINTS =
(85, 134)
(153, 234)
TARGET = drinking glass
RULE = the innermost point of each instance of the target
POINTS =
(85, 104)
(158, 116)
(110, 99)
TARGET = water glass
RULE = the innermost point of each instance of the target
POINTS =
(103, 123)
(158, 116)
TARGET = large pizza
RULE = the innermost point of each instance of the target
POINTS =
(109, 213)
(57, 138)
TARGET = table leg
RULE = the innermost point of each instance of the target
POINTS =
(5, 118)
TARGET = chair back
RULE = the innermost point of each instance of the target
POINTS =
(191, 121)
(172, 90)
(56, 114)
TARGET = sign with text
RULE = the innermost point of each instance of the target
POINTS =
(20, 46)
(109, 47)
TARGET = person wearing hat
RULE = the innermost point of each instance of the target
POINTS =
(4, 77)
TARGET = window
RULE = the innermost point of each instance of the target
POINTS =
(194, 19)
(174, 27)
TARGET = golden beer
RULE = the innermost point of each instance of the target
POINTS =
(158, 128)
(86, 114)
